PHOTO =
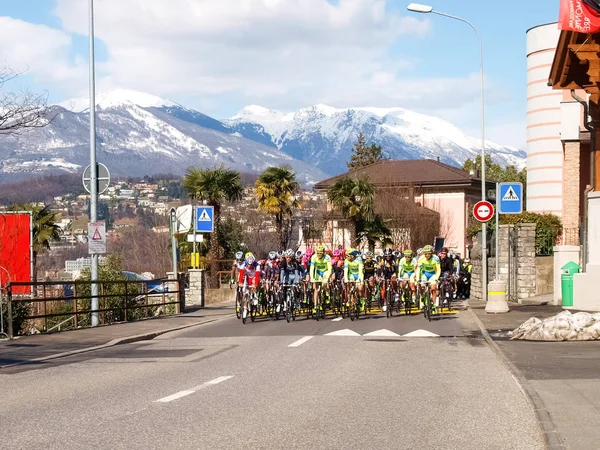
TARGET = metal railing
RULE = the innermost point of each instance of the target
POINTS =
(56, 305)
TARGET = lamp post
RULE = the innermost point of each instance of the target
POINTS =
(415, 7)
(93, 170)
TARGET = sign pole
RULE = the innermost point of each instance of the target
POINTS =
(497, 233)
(174, 240)
(195, 220)
(93, 171)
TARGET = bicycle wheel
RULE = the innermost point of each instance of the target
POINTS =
(254, 309)
(238, 304)
(244, 299)
(288, 305)
(429, 306)
(407, 301)
(389, 303)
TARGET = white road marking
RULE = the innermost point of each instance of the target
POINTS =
(299, 342)
(344, 332)
(181, 394)
(421, 333)
(382, 333)
(337, 319)
(176, 396)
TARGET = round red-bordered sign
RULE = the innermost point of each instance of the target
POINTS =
(483, 211)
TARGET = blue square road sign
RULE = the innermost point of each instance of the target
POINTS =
(205, 219)
(510, 198)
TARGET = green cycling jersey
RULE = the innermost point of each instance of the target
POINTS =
(320, 268)
(429, 266)
(407, 266)
(353, 271)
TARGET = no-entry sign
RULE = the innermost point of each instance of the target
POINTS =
(483, 211)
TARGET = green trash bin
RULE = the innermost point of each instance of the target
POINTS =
(566, 278)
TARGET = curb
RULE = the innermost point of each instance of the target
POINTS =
(119, 341)
(551, 435)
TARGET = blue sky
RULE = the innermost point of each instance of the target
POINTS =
(284, 54)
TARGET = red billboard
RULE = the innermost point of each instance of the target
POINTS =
(15, 250)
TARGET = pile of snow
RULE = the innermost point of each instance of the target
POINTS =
(564, 326)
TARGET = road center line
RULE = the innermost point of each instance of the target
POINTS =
(175, 396)
(181, 394)
(299, 342)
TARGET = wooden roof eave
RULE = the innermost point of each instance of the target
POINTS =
(560, 65)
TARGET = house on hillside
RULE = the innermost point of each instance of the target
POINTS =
(421, 199)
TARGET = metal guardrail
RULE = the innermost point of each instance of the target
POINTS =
(119, 301)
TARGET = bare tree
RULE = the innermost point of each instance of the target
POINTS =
(143, 250)
(20, 110)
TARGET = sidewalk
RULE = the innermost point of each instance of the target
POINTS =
(41, 347)
(562, 379)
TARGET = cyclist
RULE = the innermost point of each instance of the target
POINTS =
(337, 264)
(406, 272)
(320, 271)
(369, 269)
(289, 271)
(251, 270)
(237, 267)
(428, 271)
(387, 271)
(354, 273)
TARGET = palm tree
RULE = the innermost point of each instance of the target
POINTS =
(45, 230)
(374, 230)
(353, 197)
(275, 191)
(215, 186)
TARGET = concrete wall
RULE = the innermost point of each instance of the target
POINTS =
(544, 275)
(453, 223)
(214, 296)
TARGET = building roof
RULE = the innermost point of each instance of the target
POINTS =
(573, 66)
(417, 172)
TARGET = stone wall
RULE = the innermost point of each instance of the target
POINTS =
(544, 275)
(195, 293)
(526, 275)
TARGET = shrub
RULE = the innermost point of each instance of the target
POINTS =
(548, 228)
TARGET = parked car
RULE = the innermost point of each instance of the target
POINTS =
(152, 286)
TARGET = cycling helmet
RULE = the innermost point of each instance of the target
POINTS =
(280, 253)
(250, 258)
(396, 254)
(239, 256)
(299, 254)
(387, 252)
(428, 249)
(368, 255)
(247, 255)
(337, 253)
(320, 249)
(309, 252)
(353, 252)
(272, 255)
(420, 251)
(289, 253)
(408, 253)
(467, 260)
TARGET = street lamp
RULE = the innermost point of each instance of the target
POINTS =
(418, 8)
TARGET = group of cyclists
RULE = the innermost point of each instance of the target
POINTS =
(348, 282)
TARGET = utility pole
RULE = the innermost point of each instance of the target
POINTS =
(93, 170)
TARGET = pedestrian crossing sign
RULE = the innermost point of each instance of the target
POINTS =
(204, 219)
(510, 198)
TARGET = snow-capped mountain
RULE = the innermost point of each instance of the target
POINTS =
(324, 136)
(138, 134)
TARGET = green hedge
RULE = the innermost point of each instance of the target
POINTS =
(549, 226)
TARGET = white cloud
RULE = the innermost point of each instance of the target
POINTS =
(258, 49)
(41, 52)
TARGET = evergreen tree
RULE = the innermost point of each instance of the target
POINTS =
(363, 154)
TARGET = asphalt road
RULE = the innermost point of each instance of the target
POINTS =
(273, 385)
